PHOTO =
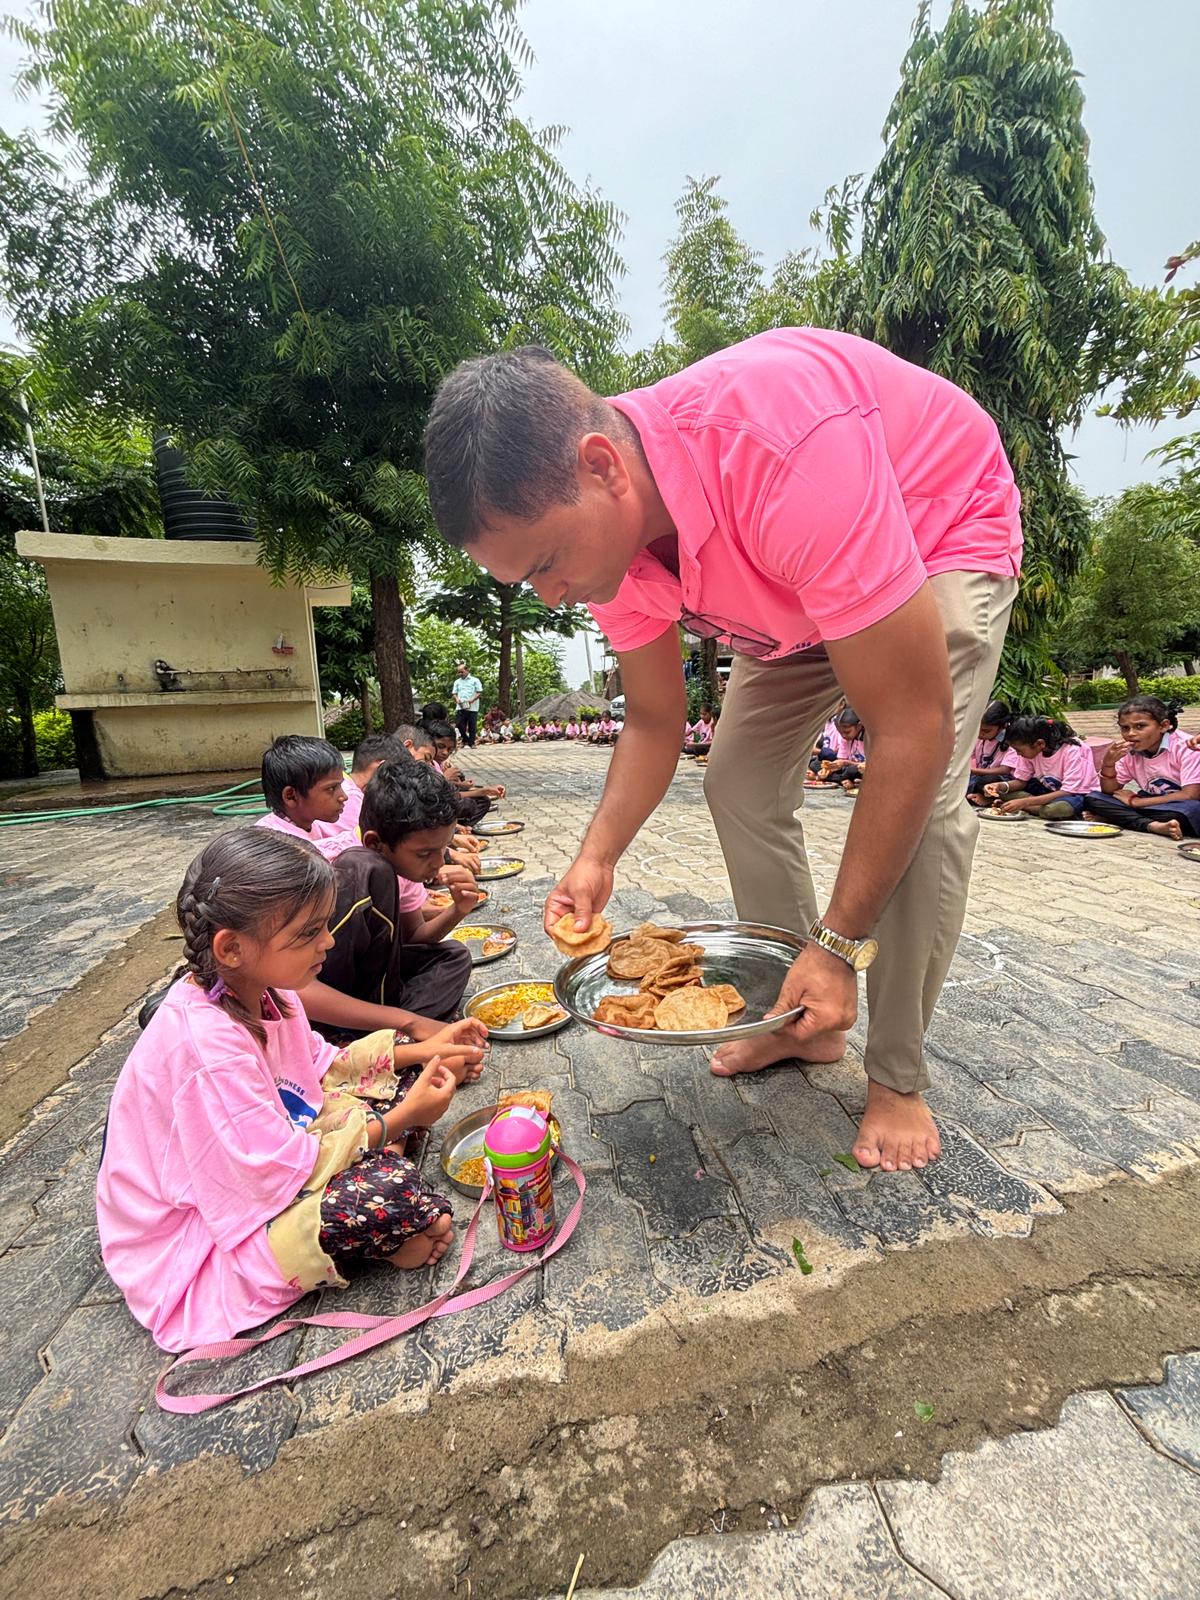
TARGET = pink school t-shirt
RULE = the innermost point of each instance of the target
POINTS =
(330, 841)
(1071, 768)
(1172, 766)
(815, 481)
(205, 1145)
(991, 753)
(848, 749)
(700, 732)
(351, 811)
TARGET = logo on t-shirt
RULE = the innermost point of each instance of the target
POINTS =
(296, 1106)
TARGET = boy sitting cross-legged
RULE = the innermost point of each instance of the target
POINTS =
(391, 966)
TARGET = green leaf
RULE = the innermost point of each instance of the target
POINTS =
(923, 1410)
(802, 1260)
(846, 1160)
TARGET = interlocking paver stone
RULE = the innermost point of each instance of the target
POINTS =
(991, 1528)
(1169, 1413)
(841, 1550)
(1064, 1053)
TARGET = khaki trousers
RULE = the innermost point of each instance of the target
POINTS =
(754, 785)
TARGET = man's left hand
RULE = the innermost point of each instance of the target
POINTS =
(827, 988)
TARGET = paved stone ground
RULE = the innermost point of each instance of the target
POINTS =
(1064, 1055)
(1125, 1465)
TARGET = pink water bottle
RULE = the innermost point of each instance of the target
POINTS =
(518, 1149)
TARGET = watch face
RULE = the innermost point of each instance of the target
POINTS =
(865, 954)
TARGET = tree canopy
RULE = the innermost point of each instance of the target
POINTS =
(292, 219)
(1139, 591)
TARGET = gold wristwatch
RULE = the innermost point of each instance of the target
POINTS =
(856, 953)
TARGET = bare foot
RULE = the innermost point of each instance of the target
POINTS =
(425, 1248)
(1171, 828)
(764, 1049)
(897, 1131)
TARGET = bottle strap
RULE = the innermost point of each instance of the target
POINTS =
(374, 1330)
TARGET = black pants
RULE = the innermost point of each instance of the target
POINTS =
(467, 722)
(1139, 818)
(472, 808)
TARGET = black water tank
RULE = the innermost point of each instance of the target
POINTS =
(187, 513)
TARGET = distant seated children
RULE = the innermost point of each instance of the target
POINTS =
(603, 729)
(369, 754)
(474, 801)
(824, 751)
(302, 784)
(991, 759)
(849, 751)
(571, 731)
(698, 735)
(553, 729)
(1052, 772)
(506, 731)
(246, 1159)
(1150, 776)
(390, 964)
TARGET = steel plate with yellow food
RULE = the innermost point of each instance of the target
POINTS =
(518, 1010)
(487, 941)
(442, 899)
(500, 867)
(694, 983)
(462, 1147)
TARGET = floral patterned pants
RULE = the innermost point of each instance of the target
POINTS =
(371, 1209)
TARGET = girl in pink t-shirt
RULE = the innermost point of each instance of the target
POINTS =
(991, 759)
(849, 751)
(247, 1161)
(698, 735)
(1052, 772)
(1150, 776)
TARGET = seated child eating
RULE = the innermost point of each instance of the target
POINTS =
(1052, 771)
(991, 759)
(698, 735)
(391, 965)
(246, 1160)
(1150, 776)
(849, 752)
(302, 782)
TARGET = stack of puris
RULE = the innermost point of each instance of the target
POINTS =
(672, 995)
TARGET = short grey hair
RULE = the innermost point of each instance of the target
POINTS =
(503, 435)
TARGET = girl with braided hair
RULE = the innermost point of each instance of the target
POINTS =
(247, 1160)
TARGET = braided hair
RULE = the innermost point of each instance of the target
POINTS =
(250, 880)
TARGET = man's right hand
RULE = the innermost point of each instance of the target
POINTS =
(584, 889)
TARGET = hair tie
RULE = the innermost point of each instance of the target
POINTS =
(218, 990)
(216, 884)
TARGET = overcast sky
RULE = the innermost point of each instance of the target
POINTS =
(782, 98)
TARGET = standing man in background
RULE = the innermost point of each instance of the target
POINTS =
(467, 691)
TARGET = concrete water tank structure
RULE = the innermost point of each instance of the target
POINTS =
(178, 655)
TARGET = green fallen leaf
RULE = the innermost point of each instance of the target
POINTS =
(802, 1260)
(848, 1161)
(923, 1410)
(824, 1172)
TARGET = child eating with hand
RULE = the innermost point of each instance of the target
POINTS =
(247, 1160)
(391, 963)
(1052, 772)
(1150, 776)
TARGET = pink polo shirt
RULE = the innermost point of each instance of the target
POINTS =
(206, 1143)
(1071, 768)
(848, 749)
(815, 481)
(1172, 766)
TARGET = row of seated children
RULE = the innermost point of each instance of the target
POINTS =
(839, 757)
(590, 728)
(1149, 778)
(256, 1142)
